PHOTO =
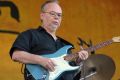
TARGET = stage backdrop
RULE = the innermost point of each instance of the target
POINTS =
(96, 20)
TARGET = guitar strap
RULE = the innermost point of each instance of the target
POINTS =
(26, 73)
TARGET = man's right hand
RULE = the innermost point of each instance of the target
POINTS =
(48, 64)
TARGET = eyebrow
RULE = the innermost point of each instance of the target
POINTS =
(53, 11)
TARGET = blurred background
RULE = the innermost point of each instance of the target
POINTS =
(96, 20)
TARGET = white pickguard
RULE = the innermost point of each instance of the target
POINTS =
(61, 66)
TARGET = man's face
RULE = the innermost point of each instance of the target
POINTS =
(51, 16)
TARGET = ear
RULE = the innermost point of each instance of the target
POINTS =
(41, 15)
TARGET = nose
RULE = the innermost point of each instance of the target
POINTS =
(56, 17)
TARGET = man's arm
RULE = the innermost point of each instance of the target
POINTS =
(25, 57)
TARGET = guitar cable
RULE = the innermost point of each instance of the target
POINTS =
(22, 67)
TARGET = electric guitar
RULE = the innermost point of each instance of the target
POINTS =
(61, 59)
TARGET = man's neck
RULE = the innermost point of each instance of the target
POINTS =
(52, 33)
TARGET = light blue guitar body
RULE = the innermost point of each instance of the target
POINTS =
(40, 73)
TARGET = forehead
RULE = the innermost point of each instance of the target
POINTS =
(53, 7)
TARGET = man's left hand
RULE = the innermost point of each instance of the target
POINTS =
(83, 55)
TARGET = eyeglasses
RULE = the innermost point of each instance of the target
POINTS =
(54, 14)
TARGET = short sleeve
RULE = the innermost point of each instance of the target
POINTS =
(22, 42)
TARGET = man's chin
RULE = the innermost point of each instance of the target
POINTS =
(55, 27)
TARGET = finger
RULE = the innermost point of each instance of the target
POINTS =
(81, 47)
(83, 55)
(51, 65)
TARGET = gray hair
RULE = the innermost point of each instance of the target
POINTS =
(47, 2)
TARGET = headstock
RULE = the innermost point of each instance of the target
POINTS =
(116, 39)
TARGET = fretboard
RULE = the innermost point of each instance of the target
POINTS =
(70, 57)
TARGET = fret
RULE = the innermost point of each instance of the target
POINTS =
(103, 44)
(70, 57)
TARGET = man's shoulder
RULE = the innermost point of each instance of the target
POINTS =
(65, 41)
(31, 30)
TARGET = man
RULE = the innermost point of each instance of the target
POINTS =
(31, 43)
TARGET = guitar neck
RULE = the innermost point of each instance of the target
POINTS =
(70, 57)
(98, 46)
